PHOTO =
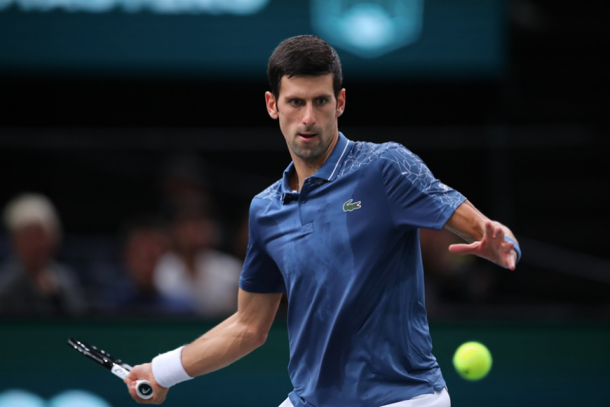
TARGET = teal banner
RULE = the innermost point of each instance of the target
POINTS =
(537, 364)
(378, 40)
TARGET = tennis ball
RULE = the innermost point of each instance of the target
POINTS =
(472, 360)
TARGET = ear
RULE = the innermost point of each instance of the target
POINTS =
(271, 105)
(340, 103)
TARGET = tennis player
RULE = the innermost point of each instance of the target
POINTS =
(339, 234)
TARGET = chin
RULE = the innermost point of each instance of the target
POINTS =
(308, 155)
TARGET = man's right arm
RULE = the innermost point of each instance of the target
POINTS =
(229, 341)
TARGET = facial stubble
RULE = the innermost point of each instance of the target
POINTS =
(310, 154)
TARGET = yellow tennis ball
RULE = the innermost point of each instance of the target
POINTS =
(472, 360)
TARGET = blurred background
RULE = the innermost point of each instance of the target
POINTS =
(133, 136)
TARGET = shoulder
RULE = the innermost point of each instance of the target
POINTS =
(220, 259)
(265, 202)
(271, 193)
(222, 265)
(363, 154)
(10, 269)
(11, 275)
(169, 265)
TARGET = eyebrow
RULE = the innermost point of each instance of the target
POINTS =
(288, 97)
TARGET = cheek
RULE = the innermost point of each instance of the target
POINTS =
(286, 121)
(329, 117)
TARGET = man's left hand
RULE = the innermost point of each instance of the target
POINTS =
(492, 247)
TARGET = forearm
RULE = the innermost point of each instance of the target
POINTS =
(469, 223)
(232, 339)
(221, 346)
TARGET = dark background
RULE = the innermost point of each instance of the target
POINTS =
(528, 149)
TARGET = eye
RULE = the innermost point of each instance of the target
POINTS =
(295, 102)
(321, 101)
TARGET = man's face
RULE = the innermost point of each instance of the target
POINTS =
(307, 110)
(142, 253)
(34, 245)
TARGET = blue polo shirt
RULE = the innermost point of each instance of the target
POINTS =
(346, 251)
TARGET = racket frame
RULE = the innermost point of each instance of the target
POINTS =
(116, 366)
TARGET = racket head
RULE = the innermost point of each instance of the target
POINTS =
(98, 355)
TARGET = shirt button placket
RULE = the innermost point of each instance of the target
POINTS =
(303, 201)
(303, 192)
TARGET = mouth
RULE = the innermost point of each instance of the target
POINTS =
(306, 136)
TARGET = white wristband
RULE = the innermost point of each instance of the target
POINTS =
(168, 370)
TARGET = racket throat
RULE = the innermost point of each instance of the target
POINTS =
(119, 371)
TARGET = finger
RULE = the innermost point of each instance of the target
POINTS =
(499, 233)
(508, 260)
(462, 248)
(133, 392)
(131, 388)
(129, 378)
(490, 230)
(512, 262)
(134, 374)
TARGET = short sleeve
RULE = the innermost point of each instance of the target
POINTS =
(415, 197)
(260, 273)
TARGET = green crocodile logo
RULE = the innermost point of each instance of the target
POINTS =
(351, 206)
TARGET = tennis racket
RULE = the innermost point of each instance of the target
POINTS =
(116, 366)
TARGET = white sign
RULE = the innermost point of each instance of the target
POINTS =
(239, 7)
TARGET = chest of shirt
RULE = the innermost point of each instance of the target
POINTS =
(328, 226)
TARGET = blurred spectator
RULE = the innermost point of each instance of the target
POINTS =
(144, 243)
(32, 283)
(194, 270)
(241, 236)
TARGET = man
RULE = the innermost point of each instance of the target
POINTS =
(339, 234)
(144, 244)
(32, 283)
(193, 270)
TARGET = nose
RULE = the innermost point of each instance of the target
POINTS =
(309, 118)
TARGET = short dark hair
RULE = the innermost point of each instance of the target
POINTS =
(303, 55)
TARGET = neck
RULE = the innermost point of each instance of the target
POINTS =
(304, 169)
